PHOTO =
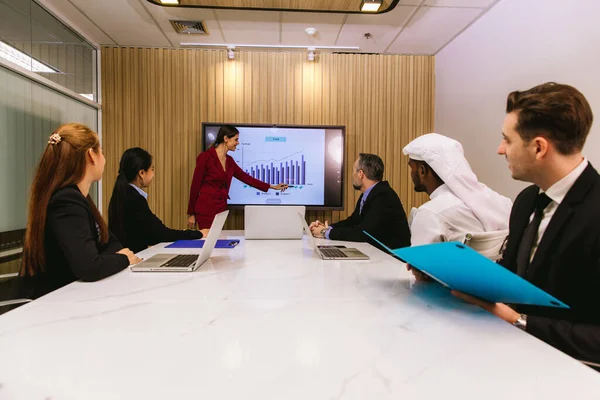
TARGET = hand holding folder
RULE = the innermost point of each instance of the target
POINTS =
(462, 269)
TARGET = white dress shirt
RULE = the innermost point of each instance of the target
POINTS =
(140, 191)
(444, 218)
(557, 193)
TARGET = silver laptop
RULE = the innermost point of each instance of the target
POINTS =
(272, 222)
(330, 252)
(169, 262)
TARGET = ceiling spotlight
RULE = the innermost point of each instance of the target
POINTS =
(311, 54)
(230, 53)
(169, 1)
(370, 5)
(311, 31)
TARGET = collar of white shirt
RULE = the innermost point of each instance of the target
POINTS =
(559, 190)
(443, 189)
(140, 191)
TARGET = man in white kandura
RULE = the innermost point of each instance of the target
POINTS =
(459, 204)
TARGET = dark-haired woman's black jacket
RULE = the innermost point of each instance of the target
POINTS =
(143, 228)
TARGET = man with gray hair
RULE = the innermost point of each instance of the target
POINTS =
(378, 210)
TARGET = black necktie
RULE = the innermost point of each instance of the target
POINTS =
(530, 234)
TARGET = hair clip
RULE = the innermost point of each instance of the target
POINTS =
(55, 138)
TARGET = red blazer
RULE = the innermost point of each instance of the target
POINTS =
(210, 186)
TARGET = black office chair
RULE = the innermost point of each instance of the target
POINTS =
(12, 293)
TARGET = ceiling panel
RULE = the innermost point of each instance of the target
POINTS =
(294, 24)
(249, 27)
(460, 3)
(128, 22)
(163, 16)
(77, 20)
(383, 29)
(140, 23)
(431, 28)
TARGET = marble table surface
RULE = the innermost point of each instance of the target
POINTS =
(271, 320)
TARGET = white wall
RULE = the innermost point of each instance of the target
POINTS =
(516, 45)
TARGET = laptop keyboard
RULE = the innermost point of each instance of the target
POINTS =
(181, 261)
(333, 253)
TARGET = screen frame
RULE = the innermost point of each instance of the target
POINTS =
(342, 128)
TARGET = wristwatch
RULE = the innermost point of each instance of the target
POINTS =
(521, 322)
(323, 232)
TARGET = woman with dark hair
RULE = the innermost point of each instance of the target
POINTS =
(212, 178)
(129, 215)
(66, 237)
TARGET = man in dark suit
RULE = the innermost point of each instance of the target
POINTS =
(378, 210)
(554, 233)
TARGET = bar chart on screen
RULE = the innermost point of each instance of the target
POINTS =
(290, 169)
(290, 157)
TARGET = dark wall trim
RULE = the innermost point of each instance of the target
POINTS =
(12, 257)
(11, 239)
(390, 8)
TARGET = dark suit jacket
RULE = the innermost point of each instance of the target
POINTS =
(382, 216)
(566, 265)
(210, 186)
(143, 228)
(73, 251)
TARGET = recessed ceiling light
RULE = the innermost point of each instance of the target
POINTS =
(311, 31)
(169, 1)
(370, 5)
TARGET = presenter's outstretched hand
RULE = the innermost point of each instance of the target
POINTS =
(204, 232)
(281, 186)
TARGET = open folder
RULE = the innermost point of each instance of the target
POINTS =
(461, 268)
(198, 244)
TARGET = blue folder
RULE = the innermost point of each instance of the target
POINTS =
(461, 268)
(197, 244)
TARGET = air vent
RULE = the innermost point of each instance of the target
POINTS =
(190, 27)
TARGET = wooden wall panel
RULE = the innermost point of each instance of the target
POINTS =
(158, 98)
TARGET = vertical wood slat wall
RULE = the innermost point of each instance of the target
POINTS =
(158, 98)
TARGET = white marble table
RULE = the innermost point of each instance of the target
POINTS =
(270, 320)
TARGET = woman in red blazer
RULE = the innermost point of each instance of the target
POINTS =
(212, 178)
